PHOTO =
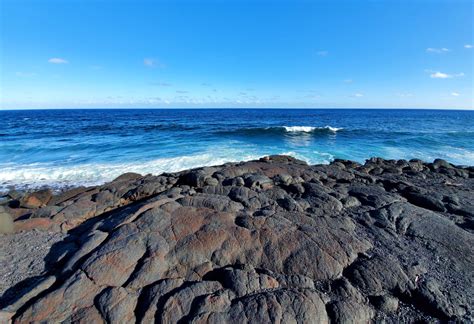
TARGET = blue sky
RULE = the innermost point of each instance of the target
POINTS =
(374, 54)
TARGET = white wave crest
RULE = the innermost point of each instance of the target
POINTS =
(41, 174)
(37, 175)
(333, 129)
(309, 129)
(305, 129)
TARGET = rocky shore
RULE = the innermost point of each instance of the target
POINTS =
(273, 240)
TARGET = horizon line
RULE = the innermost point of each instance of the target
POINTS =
(237, 108)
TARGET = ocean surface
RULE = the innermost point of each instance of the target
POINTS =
(62, 148)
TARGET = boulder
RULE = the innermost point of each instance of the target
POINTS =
(36, 199)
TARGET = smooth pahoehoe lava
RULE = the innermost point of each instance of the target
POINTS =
(272, 240)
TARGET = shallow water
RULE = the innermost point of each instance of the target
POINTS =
(84, 147)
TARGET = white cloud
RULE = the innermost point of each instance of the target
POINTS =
(468, 46)
(438, 50)
(405, 95)
(441, 75)
(456, 94)
(348, 81)
(152, 63)
(358, 95)
(58, 60)
(322, 53)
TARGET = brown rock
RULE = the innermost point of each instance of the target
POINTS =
(36, 199)
(44, 224)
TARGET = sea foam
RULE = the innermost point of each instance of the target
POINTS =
(44, 174)
(38, 175)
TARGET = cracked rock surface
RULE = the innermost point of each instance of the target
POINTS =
(273, 240)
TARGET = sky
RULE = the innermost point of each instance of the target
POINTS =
(261, 53)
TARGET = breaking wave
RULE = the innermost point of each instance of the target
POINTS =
(282, 130)
(310, 129)
(44, 174)
(58, 177)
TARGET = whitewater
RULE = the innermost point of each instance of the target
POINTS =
(64, 148)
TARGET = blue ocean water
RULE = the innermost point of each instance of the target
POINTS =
(85, 147)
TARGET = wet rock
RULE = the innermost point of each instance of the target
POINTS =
(439, 163)
(14, 195)
(284, 159)
(129, 176)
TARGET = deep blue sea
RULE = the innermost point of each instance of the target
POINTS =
(84, 147)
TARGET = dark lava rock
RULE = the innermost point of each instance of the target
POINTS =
(265, 241)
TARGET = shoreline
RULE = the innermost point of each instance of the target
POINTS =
(347, 216)
(20, 191)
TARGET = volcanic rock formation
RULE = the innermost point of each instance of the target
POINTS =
(273, 240)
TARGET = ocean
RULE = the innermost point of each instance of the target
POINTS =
(63, 148)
